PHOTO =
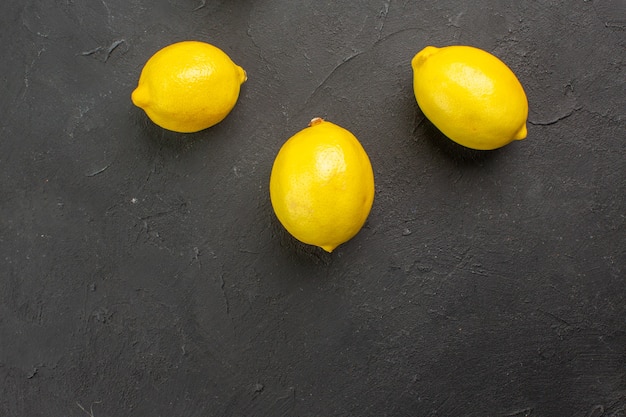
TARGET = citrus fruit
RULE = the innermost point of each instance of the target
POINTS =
(470, 96)
(188, 86)
(322, 185)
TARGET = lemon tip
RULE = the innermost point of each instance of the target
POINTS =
(521, 133)
(139, 97)
(329, 248)
(243, 75)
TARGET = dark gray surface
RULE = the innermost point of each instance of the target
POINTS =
(143, 272)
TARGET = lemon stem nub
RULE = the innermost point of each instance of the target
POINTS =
(423, 55)
(315, 121)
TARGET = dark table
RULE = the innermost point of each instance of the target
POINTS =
(143, 272)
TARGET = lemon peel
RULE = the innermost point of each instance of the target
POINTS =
(470, 95)
(188, 86)
(322, 185)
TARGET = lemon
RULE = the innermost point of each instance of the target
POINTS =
(188, 86)
(470, 95)
(322, 185)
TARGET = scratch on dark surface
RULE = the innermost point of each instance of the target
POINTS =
(164, 213)
(27, 72)
(253, 40)
(157, 215)
(392, 34)
(108, 51)
(112, 48)
(106, 6)
(384, 11)
(556, 119)
(34, 32)
(249, 251)
(284, 405)
(91, 51)
(222, 285)
(596, 411)
(334, 70)
(418, 122)
(90, 412)
(440, 313)
(362, 27)
(443, 404)
(524, 412)
(98, 172)
(604, 13)
(202, 4)
(555, 317)
(196, 257)
(290, 395)
(459, 266)
(32, 373)
(145, 228)
(351, 57)
(456, 20)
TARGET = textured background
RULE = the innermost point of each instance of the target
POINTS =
(143, 273)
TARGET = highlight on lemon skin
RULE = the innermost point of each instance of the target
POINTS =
(188, 86)
(322, 185)
(470, 95)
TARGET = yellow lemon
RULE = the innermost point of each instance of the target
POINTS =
(322, 185)
(188, 86)
(470, 95)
